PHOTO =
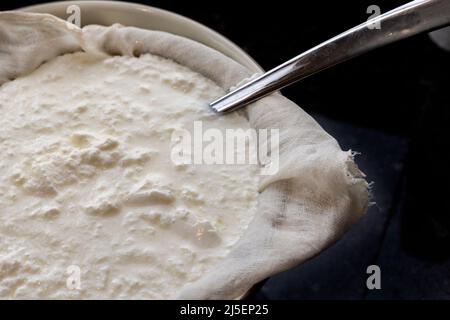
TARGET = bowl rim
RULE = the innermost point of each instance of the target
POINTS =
(211, 37)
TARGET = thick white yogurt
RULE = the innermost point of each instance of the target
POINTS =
(87, 184)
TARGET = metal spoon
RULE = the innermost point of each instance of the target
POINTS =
(400, 23)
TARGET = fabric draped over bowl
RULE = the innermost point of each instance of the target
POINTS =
(317, 194)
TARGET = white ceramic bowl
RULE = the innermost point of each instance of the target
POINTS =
(146, 17)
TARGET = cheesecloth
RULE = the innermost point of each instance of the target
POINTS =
(314, 198)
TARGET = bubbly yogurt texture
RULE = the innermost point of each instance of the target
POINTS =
(91, 206)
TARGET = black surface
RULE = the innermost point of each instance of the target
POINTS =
(393, 106)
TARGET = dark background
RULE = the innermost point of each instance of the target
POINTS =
(393, 106)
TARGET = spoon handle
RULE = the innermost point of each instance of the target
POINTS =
(400, 23)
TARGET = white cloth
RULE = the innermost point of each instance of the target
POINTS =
(317, 194)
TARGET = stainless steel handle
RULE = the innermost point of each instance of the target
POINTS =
(402, 22)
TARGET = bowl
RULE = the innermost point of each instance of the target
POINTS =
(146, 17)
(142, 16)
